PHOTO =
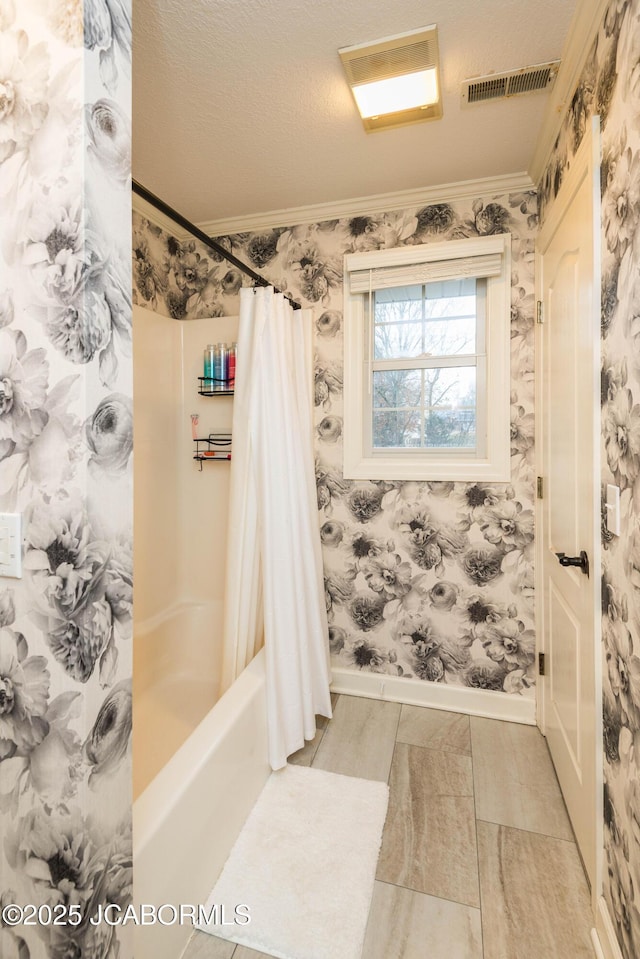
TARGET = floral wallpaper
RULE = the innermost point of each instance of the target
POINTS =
(65, 465)
(610, 86)
(432, 580)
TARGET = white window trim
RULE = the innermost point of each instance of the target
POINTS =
(449, 465)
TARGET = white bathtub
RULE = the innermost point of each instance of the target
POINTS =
(177, 668)
(187, 819)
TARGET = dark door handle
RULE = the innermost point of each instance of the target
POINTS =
(581, 561)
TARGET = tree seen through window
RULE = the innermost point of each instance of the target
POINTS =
(429, 399)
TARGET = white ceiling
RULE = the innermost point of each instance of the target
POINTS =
(241, 106)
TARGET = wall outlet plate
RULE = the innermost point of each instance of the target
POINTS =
(612, 506)
(11, 545)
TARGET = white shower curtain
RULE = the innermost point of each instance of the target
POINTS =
(274, 569)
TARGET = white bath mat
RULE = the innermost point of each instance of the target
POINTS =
(304, 865)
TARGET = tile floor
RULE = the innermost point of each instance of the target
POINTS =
(477, 860)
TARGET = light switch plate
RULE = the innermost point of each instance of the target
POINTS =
(612, 506)
(11, 545)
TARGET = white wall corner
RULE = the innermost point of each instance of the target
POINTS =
(582, 31)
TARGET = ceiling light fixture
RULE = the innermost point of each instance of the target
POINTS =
(395, 80)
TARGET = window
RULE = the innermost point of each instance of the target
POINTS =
(427, 362)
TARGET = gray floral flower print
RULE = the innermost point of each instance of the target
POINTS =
(61, 252)
(365, 655)
(479, 609)
(622, 437)
(12, 945)
(507, 525)
(482, 565)
(24, 73)
(621, 201)
(68, 579)
(337, 590)
(109, 139)
(492, 218)
(387, 575)
(24, 693)
(7, 608)
(262, 248)
(363, 232)
(329, 323)
(329, 429)
(429, 544)
(508, 642)
(314, 273)
(337, 639)
(329, 485)
(23, 383)
(65, 333)
(231, 282)
(626, 914)
(65, 860)
(7, 310)
(364, 503)
(107, 28)
(332, 533)
(79, 331)
(443, 595)
(111, 733)
(482, 674)
(328, 377)
(612, 727)
(435, 220)
(149, 277)
(110, 434)
(49, 766)
(119, 583)
(366, 611)
(623, 668)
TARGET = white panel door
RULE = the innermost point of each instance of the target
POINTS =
(570, 506)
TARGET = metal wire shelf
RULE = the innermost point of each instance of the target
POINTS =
(216, 447)
(216, 387)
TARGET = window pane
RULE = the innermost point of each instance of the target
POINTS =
(396, 428)
(425, 409)
(450, 408)
(397, 388)
(450, 337)
(398, 327)
(398, 341)
(436, 319)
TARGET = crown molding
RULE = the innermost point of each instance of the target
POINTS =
(154, 216)
(582, 31)
(380, 203)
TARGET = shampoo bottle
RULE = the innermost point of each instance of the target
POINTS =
(209, 369)
(221, 366)
(233, 352)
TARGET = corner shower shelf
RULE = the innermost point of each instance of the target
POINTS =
(210, 386)
(216, 448)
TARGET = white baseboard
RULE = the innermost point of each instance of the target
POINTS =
(414, 692)
(604, 938)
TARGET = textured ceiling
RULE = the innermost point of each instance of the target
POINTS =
(241, 106)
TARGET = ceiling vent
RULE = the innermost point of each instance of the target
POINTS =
(405, 54)
(513, 83)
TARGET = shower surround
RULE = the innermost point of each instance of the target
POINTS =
(431, 581)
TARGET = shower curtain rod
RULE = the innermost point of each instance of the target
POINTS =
(202, 236)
